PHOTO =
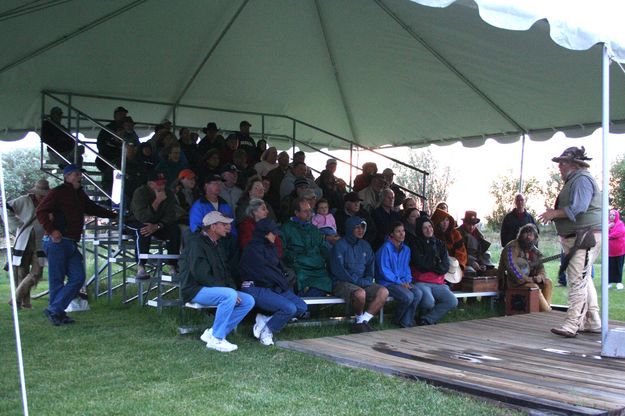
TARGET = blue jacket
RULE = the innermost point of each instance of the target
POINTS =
(392, 266)
(260, 263)
(201, 207)
(352, 258)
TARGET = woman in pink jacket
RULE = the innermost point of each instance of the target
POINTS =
(616, 249)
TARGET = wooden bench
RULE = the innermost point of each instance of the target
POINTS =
(333, 300)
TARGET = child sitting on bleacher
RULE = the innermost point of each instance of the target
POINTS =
(324, 221)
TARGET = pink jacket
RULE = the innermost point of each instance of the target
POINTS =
(321, 221)
(616, 237)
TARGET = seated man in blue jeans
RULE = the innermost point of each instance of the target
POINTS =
(393, 272)
(205, 278)
(263, 277)
(429, 263)
(352, 265)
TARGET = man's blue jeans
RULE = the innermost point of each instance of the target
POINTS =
(285, 305)
(408, 300)
(228, 314)
(437, 300)
(64, 259)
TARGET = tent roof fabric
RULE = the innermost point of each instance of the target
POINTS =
(381, 72)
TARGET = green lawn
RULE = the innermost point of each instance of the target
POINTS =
(121, 360)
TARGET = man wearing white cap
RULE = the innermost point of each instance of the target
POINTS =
(206, 278)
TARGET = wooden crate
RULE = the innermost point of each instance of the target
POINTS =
(480, 284)
(522, 300)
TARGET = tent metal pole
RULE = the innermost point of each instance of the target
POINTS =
(210, 51)
(293, 138)
(605, 123)
(16, 321)
(351, 163)
(522, 160)
(64, 38)
(335, 71)
(262, 126)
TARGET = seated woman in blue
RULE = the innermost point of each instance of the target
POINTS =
(264, 279)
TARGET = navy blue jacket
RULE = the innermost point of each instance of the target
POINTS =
(260, 263)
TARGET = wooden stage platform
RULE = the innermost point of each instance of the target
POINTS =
(512, 359)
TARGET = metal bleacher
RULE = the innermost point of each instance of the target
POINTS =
(104, 242)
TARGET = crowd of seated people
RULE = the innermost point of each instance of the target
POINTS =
(276, 233)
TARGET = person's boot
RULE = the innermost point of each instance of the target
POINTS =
(22, 292)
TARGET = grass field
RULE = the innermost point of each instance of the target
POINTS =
(120, 360)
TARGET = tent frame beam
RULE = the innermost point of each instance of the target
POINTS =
(335, 72)
(210, 52)
(77, 32)
(450, 67)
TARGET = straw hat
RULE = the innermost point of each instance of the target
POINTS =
(41, 188)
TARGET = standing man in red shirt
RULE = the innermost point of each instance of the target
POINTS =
(62, 214)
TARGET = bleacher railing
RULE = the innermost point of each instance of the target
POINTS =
(290, 130)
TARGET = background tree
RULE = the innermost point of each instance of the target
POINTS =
(504, 189)
(438, 181)
(21, 171)
(551, 187)
(617, 183)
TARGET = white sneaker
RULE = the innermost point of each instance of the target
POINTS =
(261, 321)
(619, 286)
(221, 345)
(609, 285)
(207, 335)
(266, 336)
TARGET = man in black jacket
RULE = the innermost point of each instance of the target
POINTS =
(205, 278)
(352, 208)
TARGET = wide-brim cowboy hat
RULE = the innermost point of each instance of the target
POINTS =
(454, 275)
(573, 155)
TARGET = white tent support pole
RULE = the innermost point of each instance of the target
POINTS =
(448, 65)
(64, 38)
(351, 163)
(210, 51)
(262, 127)
(605, 133)
(41, 145)
(335, 71)
(522, 162)
(293, 140)
(16, 322)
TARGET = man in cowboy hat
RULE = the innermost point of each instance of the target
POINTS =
(520, 265)
(577, 216)
(478, 258)
(28, 256)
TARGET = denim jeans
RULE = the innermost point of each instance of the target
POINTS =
(64, 259)
(228, 314)
(285, 305)
(408, 300)
(437, 300)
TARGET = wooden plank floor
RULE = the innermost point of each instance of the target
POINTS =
(513, 359)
